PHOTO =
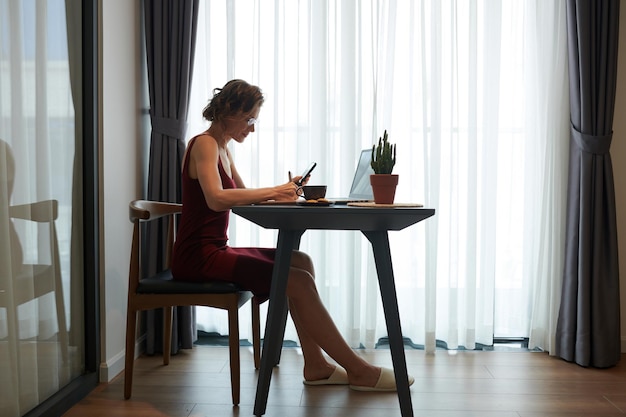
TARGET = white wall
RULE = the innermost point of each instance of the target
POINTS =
(121, 59)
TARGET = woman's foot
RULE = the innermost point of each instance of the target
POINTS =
(385, 382)
(337, 377)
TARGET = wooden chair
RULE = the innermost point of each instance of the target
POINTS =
(33, 281)
(161, 291)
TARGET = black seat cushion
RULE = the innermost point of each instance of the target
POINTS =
(164, 283)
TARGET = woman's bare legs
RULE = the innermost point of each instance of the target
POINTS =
(317, 330)
(315, 365)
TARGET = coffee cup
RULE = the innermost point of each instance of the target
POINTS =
(314, 192)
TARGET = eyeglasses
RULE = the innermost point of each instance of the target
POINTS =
(251, 121)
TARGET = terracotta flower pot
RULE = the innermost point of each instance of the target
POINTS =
(384, 187)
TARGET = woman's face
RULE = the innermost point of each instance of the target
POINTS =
(238, 127)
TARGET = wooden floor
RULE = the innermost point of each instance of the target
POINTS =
(447, 384)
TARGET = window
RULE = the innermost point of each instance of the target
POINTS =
(475, 96)
(48, 339)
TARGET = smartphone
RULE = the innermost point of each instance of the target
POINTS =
(307, 173)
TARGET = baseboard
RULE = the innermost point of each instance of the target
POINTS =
(114, 366)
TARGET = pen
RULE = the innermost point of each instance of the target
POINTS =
(289, 173)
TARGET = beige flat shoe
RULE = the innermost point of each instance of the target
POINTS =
(338, 377)
(386, 382)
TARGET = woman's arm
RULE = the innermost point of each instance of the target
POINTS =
(203, 164)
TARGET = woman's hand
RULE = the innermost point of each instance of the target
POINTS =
(288, 191)
(297, 180)
(301, 181)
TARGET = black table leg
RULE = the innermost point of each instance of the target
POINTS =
(276, 316)
(382, 257)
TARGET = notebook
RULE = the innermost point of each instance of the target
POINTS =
(361, 190)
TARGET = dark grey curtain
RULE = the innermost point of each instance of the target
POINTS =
(588, 327)
(170, 32)
(74, 20)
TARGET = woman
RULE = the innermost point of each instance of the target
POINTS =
(211, 186)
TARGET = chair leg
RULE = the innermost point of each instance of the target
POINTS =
(11, 394)
(168, 313)
(256, 333)
(131, 323)
(233, 345)
(62, 323)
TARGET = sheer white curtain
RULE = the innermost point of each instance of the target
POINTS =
(37, 143)
(473, 92)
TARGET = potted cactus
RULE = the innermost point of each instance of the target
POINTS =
(383, 182)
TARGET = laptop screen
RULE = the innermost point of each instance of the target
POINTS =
(361, 187)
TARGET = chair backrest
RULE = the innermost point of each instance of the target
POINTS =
(44, 212)
(33, 280)
(11, 257)
(141, 211)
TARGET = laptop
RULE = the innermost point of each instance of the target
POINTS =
(361, 190)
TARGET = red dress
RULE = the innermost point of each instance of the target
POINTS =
(201, 252)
